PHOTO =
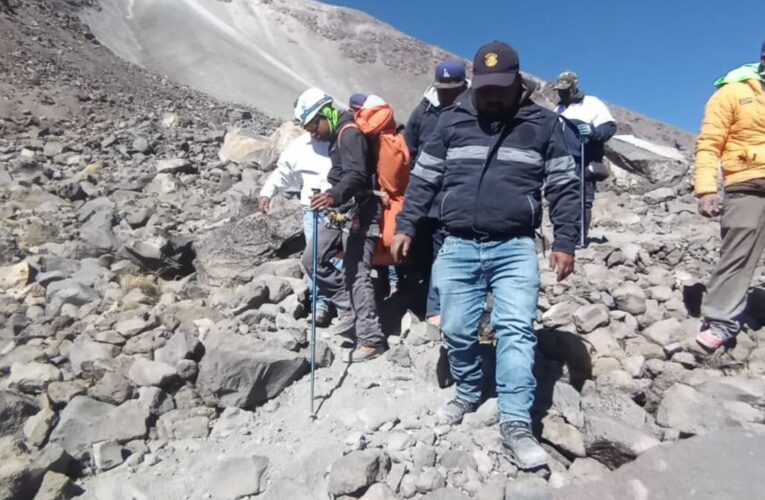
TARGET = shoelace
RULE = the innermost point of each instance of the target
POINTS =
(519, 432)
(462, 405)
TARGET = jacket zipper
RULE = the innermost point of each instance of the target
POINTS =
(443, 200)
(533, 211)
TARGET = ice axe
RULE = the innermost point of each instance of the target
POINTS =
(314, 264)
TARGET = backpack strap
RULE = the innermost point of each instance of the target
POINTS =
(343, 129)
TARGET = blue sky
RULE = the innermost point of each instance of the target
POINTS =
(658, 58)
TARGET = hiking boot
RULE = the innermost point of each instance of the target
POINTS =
(521, 446)
(363, 353)
(709, 341)
(323, 317)
(344, 326)
(452, 412)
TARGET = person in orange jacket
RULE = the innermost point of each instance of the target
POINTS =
(732, 141)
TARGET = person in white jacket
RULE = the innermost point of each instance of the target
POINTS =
(301, 168)
(594, 125)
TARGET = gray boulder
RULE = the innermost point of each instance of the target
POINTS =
(228, 252)
(236, 477)
(723, 464)
(588, 318)
(690, 411)
(630, 298)
(356, 471)
(86, 421)
(243, 371)
(14, 410)
(67, 291)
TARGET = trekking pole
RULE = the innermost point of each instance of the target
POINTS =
(582, 189)
(315, 261)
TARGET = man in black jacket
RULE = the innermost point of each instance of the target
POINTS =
(490, 157)
(354, 166)
(449, 83)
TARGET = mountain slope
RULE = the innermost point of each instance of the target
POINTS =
(264, 53)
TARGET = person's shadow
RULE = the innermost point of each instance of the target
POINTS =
(557, 349)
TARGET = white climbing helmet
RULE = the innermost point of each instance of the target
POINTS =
(309, 104)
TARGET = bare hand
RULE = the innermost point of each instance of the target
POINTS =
(562, 264)
(709, 205)
(399, 248)
(322, 200)
(264, 204)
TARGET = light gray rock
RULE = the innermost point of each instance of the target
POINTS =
(630, 298)
(446, 494)
(563, 436)
(691, 412)
(55, 486)
(144, 372)
(107, 455)
(722, 464)
(136, 325)
(86, 421)
(250, 296)
(15, 409)
(163, 184)
(32, 377)
(568, 402)
(185, 423)
(486, 415)
(236, 477)
(237, 371)
(560, 315)
(38, 427)
(423, 456)
(588, 318)
(670, 331)
(113, 388)
(379, 491)
(613, 442)
(429, 480)
(584, 470)
(528, 488)
(231, 251)
(181, 345)
(358, 470)
(84, 352)
(68, 291)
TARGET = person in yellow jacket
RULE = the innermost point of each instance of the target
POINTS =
(732, 141)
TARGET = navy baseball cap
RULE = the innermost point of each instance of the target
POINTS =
(357, 101)
(495, 64)
(450, 74)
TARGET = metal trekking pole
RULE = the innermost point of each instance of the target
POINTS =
(582, 190)
(314, 293)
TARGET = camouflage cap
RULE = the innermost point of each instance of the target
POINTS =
(567, 80)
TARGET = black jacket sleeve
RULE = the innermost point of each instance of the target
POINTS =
(425, 183)
(562, 189)
(356, 174)
(604, 132)
(412, 132)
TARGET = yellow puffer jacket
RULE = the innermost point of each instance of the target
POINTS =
(733, 133)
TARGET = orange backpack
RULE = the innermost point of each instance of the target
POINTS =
(393, 170)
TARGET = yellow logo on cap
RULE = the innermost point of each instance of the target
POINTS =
(491, 59)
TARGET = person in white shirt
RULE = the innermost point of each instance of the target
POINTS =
(594, 124)
(302, 167)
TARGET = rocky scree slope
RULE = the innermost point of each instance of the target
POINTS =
(153, 339)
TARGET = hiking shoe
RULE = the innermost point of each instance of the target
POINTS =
(452, 412)
(521, 446)
(363, 353)
(323, 317)
(709, 341)
(344, 327)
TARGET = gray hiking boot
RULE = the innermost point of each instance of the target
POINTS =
(363, 353)
(344, 327)
(452, 412)
(522, 447)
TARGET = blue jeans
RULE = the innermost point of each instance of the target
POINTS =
(321, 302)
(464, 272)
